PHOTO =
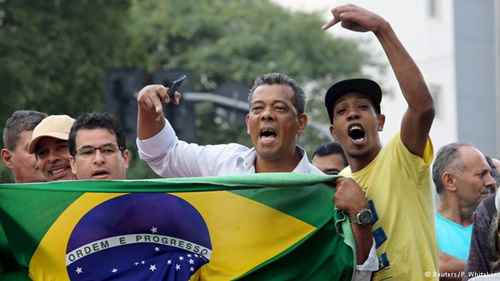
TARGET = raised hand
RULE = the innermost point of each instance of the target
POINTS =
(355, 18)
(150, 116)
(152, 97)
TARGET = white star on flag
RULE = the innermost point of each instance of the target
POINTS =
(177, 267)
(152, 267)
(154, 229)
(181, 258)
(157, 249)
(188, 255)
(79, 270)
(136, 263)
(169, 262)
(114, 270)
(191, 261)
(143, 262)
(191, 268)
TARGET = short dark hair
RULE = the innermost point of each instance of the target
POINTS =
(96, 120)
(18, 122)
(298, 100)
(447, 156)
(330, 148)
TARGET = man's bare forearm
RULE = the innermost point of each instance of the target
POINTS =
(363, 236)
(409, 77)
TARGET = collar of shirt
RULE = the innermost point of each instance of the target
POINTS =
(246, 162)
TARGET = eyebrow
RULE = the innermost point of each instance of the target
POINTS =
(88, 145)
(256, 102)
(279, 101)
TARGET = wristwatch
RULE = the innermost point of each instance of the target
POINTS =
(363, 217)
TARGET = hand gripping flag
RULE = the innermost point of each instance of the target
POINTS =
(258, 227)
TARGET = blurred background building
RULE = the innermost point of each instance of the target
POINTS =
(456, 44)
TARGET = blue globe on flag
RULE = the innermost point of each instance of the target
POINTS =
(138, 236)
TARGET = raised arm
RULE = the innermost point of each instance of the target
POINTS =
(418, 118)
(150, 117)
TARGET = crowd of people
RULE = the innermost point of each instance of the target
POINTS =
(386, 190)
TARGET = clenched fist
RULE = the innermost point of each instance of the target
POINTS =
(349, 197)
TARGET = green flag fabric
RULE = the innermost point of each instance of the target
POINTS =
(277, 226)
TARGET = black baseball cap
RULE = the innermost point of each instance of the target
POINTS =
(365, 87)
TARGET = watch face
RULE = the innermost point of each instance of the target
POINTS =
(365, 216)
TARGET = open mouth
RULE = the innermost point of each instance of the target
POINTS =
(268, 135)
(100, 174)
(357, 133)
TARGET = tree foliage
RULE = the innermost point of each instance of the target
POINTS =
(237, 40)
(54, 54)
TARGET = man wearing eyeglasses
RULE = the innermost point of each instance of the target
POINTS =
(98, 148)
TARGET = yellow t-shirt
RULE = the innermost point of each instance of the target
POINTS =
(398, 183)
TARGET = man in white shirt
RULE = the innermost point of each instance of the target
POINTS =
(275, 120)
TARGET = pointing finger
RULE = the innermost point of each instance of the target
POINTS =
(331, 23)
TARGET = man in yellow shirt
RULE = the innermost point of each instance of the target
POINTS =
(395, 177)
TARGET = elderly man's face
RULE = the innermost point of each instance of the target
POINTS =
(98, 156)
(273, 122)
(475, 182)
(53, 159)
(22, 163)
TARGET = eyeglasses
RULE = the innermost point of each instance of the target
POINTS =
(89, 151)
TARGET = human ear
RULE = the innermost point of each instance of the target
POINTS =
(380, 122)
(332, 132)
(246, 124)
(448, 181)
(72, 164)
(7, 158)
(302, 120)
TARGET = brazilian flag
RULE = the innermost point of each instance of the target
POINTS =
(280, 226)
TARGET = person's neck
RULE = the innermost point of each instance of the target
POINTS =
(359, 162)
(451, 209)
(284, 164)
